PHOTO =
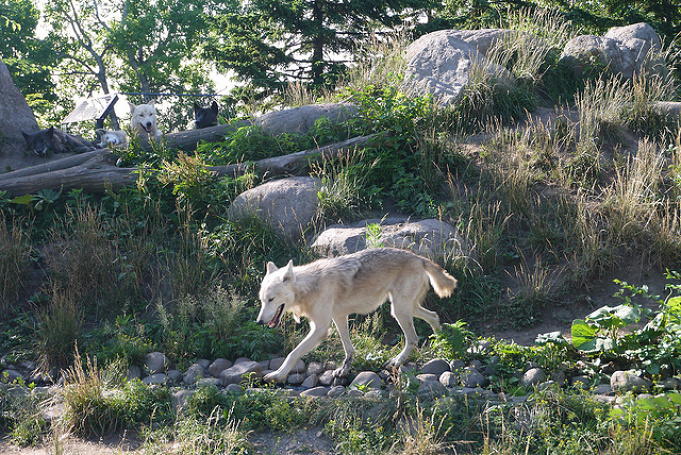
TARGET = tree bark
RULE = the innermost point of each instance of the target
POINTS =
(96, 171)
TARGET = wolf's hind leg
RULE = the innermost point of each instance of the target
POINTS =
(405, 319)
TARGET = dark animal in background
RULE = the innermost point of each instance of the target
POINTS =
(56, 141)
(206, 116)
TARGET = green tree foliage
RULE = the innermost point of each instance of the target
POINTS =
(28, 58)
(158, 41)
(269, 43)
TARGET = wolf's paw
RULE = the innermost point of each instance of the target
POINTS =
(341, 372)
(275, 377)
(393, 364)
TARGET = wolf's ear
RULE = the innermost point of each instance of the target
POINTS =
(271, 267)
(132, 107)
(288, 274)
(51, 131)
(26, 136)
(214, 106)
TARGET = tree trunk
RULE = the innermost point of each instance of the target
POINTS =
(96, 171)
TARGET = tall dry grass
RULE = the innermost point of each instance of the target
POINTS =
(15, 261)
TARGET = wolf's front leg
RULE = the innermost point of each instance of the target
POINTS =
(344, 334)
(316, 334)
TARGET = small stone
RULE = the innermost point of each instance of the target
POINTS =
(310, 381)
(295, 379)
(533, 377)
(315, 392)
(436, 366)
(367, 379)
(449, 379)
(628, 381)
(470, 377)
(156, 379)
(156, 362)
(218, 366)
(193, 374)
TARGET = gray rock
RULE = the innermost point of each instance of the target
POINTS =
(315, 392)
(603, 389)
(431, 390)
(134, 372)
(288, 206)
(156, 379)
(533, 377)
(449, 379)
(9, 376)
(435, 366)
(326, 378)
(205, 363)
(427, 377)
(298, 368)
(234, 389)
(240, 371)
(193, 374)
(174, 376)
(430, 238)
(337, 391)
(156, 362)
(671, 383)
(623, 50)
(367, 379)
(218, 366)
(310, 381)
(315, 368)
(206, 382)
(456, 365)
(295, 379)
(301, 119)
(276, 362)
(470, 377)
(439, 64)
(15, 117)
(625, 381)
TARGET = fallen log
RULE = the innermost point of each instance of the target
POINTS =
(188, 140)
(96, 171)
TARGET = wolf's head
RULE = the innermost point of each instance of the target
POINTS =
(206, 116)
(277, 294)
(143, 117)
(42, 141)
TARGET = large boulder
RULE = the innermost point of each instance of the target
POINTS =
(288, 206)
(15, 117)
(623, 50)
(431, 238)
(440, 63)
(301, 119)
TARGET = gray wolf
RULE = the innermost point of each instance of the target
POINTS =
(206, 116)
(331, 289)
(143, 121)
(56, 141)
(113, 139)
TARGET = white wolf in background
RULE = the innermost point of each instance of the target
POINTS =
(331, 289)
(143, 121)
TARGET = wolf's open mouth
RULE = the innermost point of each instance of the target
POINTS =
(275, 320)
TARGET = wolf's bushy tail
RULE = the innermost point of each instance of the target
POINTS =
(443, 283)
